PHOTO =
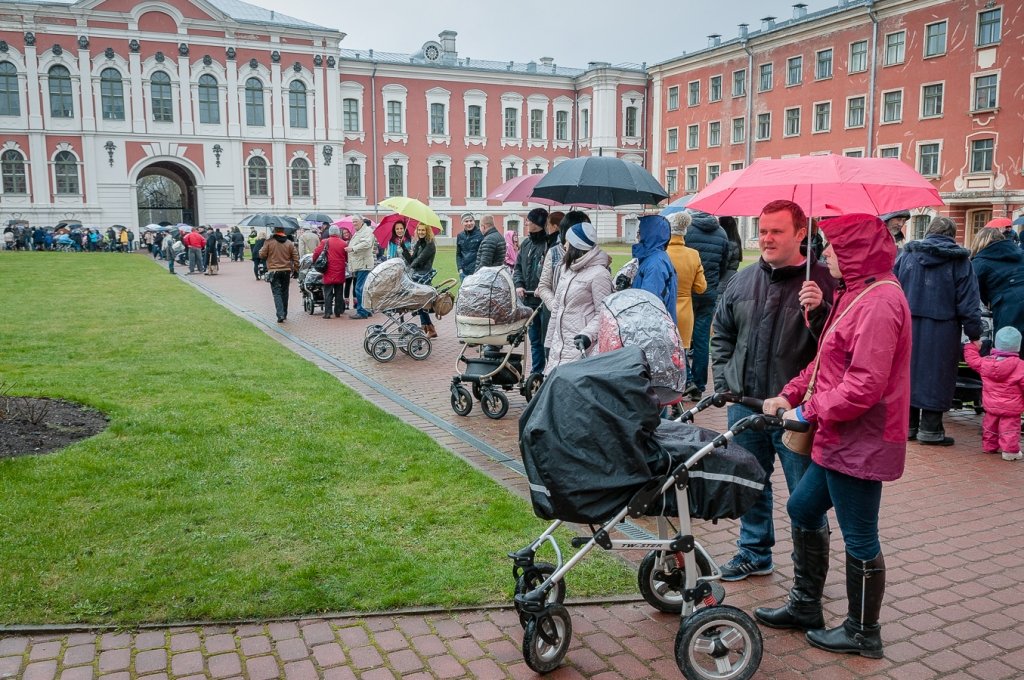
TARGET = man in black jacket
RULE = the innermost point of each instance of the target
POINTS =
(526, 276)
(761, 342)
(492, 246)
(467, 243)
(712, 244)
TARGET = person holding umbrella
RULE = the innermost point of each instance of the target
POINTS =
(421, 265)
(282, 258)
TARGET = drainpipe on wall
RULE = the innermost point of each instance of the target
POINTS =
(646, 123)
(870, 148)
(749, 150)
(373, 125)
(575, 120)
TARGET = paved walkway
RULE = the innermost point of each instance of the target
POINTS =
(951, 529)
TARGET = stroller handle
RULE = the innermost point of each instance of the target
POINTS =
(720, 399)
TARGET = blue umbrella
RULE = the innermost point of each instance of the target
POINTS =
(1019, 222)
(677, 205)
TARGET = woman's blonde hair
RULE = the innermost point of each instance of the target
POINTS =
(430, 231)
(984, 238)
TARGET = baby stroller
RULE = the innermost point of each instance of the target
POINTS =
(311, 285)
(491, 322)
(598, 469)
(391, 291)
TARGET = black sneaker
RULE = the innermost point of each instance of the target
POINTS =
(740, 567)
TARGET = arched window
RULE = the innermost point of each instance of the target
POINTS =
(112, 94)
(65, 167)
(297, 104)
(10, 104)
(254, 102)
(160, 97)
(61, 102)
(12, 167)
(300, 178)
(209, 104)
(257, 172)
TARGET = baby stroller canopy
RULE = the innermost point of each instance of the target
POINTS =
(638, 317)
(488, 308)
(388, 286)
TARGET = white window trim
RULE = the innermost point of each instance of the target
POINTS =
(292, 198)
(846, 113)
(668, 184)
(512, 162)
(771, 85)
(302, 133)
(261, 73)
(475, 98)
(885, 49)
(833, 69)
(403, 161)
(846, 152)
(355, 158)
(444, 161)
(64, 146)
(898, 146)
(667, 131)
(977, 27)
(668, 98)
(924, 40)
(512, 100)
(814, 113)
(732, 130)
(849, 58)
(562, 104)
(974, 90)
(707, 170)
(47, 60)
(439, 95)
(541, 103)
(396, 93)
(472, 161)
(352, 90)
(881, 108)
(920, 112)
(721, 81)
(917, 156)
(534, 162)
(215, 69)
(757, 128)
(638, 103)
(686, 176)
(785, 122)
(802, 65)
(732, 85)
(696, 103)
(735, 165)
(710, 123)
(697, 145)
(584, 104)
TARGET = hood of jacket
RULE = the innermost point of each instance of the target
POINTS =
(1002, 251)
(280, 238)
(863, 246)
(704, 221)
(654, 233)
(595, 258)
(935, 249)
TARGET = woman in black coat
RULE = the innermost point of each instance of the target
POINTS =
(999, 265)
(421, 267)
(942, 292)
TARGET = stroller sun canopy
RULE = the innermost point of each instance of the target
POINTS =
(488, 307)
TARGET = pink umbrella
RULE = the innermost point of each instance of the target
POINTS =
(345, 223)
(386, 228)
(519, 189)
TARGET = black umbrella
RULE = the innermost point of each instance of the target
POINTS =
(268, 221)
(601, 180)
(318, 217)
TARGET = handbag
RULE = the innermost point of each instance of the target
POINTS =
(320, 264)
(801, 442)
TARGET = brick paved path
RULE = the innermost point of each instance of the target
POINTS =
(951, 529)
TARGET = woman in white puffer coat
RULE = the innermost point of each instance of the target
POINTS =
(584, 280)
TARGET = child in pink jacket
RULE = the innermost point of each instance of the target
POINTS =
(1002, 382)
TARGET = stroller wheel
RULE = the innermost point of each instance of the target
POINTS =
(307, 304)
(661, 580)
(462, 401)
(419, 347)
(494, 404)
(718, 642)
(532, 384)
(373, 329)
(383, 350)
(530, 579)
(546, 639)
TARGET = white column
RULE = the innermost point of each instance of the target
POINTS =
(654, 132)
(185, 94)
(138, 102)
(35, 93)
(85, 88)
(604, 108)
(277, 108)
(332, 95)
(279, 176)
(40, 169)
(234, 124)
(319, 104)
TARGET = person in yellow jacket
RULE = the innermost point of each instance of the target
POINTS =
(689, 272)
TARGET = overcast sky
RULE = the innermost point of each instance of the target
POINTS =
(574, 32)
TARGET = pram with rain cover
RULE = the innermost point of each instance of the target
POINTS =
(391, 291)
(311, 285)
(491, 322)
(596, 451)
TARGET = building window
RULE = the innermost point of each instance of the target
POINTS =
(981, 155)
(350, 115)
(823, 65)
(673, 98)
(739, 82)
(978, 219)
(297, 104)
(254, 103)
(394, 118)
(928, 160)
(714, 88)
(111, 94)
(792, 122)
(672, 139)
(892, 107)
(989, 26)
(209, 100)
(985, 92)
(9, 91)
(855, 112)
(12, 167)
(765, 81)
(693, 136)
(476, 182)
(823, 117)
(895, 43)
(630, 126)
(65, 167)
(764, 126)
(713, 172)
(437, 119)
(561, 126)
(474, 120)
(537, 170)
(671, 181)
(736, 165)
(714, 133)
(438, 181)
(300, 178)
(396, 180)
(889, 152)
(536, 124)
(259, 184)
(693, 94)
(585, 123)
(511, 122)
(691, 180)
(511, 172)
(854, 153)
(858, 56)
(739, 130)
(794, 70)
(160, 95)
(919, 226)
(935, 39)
(931, 100)
(353, 180)
(61, 100)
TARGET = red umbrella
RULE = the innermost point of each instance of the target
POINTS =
(519, 189)
(386, 228)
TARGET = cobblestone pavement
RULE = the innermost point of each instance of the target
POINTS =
(951, 529)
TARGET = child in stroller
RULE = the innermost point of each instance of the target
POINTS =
(311, 285)
(391, 291)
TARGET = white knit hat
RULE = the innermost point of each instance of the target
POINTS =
(582, 236)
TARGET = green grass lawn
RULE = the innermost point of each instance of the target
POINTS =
(235, 479)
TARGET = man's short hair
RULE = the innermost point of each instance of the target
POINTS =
(795, 211)
(487, 219)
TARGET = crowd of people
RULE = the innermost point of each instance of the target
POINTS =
(74, 238)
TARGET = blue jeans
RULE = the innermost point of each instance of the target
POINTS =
(757, 528)
(703, 312)
(360, 280)
(535, 332)
(856, 502)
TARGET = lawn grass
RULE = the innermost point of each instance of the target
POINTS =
(235, 479)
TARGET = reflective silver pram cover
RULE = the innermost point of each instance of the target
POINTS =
(388, 286)
(488, 309)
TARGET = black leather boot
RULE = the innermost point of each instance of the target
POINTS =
(810, 566)
(860, 633)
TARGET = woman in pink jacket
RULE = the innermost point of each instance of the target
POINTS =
(860, 402)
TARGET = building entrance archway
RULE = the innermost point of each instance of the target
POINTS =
(166, 194)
